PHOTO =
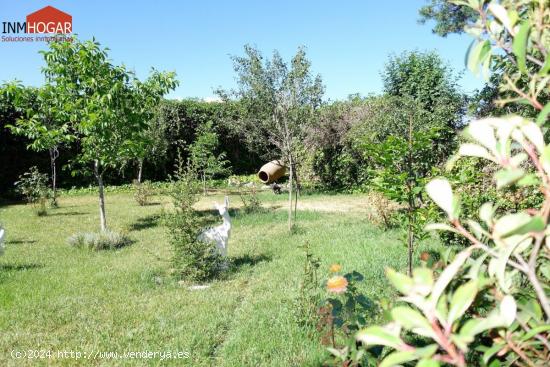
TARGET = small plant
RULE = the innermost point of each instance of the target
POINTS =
(192, 259)
(250, 199)
(104, 240)
(342, 315)
(309, 296)
(33, 185)
(382, 211)
(142, 192)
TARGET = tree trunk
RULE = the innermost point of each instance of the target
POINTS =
(140, 170)
(410, 194)
(54, 153)
(99, 177)
(410, 241)
(290, 184)
(204, 184)
(296, 192)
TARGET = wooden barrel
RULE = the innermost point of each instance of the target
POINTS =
(271, 172)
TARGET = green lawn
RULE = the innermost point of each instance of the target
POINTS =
(55, 297)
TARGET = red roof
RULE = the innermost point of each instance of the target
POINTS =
(49, 14)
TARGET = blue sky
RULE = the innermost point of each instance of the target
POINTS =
(348, 42)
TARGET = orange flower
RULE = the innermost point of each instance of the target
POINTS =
(335, 268)
(337, 284)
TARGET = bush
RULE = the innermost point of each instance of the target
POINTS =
(251, 201)
(33, 185)
(104, 240)
(382, 211)
(142, 192)
(193, 260)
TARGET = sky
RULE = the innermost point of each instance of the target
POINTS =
(348, 42)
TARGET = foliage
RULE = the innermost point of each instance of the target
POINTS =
(142, 192)
(381, 210)
(490, 304)
(104, 240)
(250, 199)
(108, 108)
(192, 259)
(335, 162)
(342, 315)
(203, 156)
(309, 296)
(277, 101)
(33, 185)
(449, 17)
(433, 86)
(44, 122)
(401, 156)
(512, 36)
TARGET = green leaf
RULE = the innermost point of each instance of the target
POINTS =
(489, 353)
(447, 275)
(537, 330)
(427, 363)
(543, 114)
(461, 300)
(546, 67)
(508, 309)
(440, 227)
(412, 320)
(397, 358)
(517, 223)
(401, 282)
(486, 213)
(476, 54)
(378, 335)
(506, 177)
(519, 45)
(474, 150)
(423, 277)
(441, 193)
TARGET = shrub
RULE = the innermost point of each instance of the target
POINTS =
(342, 315)
(142, 192)
(104, 240)
(193, 260)
(33, 185)
(309, 296)
(251, 201)
(489, 305)
(381, 210)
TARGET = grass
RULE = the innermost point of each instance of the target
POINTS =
(57, 297)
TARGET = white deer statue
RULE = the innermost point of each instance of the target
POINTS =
(219, 235)
(2, 233)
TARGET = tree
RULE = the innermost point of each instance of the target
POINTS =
(105, 103)
(44, 122)
(277, 102)
(399, 146)
(203, 157)
(449, 17)
(153, 144)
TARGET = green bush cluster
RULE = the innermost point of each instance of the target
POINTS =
(103, 240)
(192, 260)
(33, 185)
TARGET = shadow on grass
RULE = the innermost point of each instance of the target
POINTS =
(149, 221)
(152, 203)
(66, 213)
(247, 260)
(20, 242)
(18, 267)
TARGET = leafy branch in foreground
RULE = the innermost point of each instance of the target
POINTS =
(489, 306)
